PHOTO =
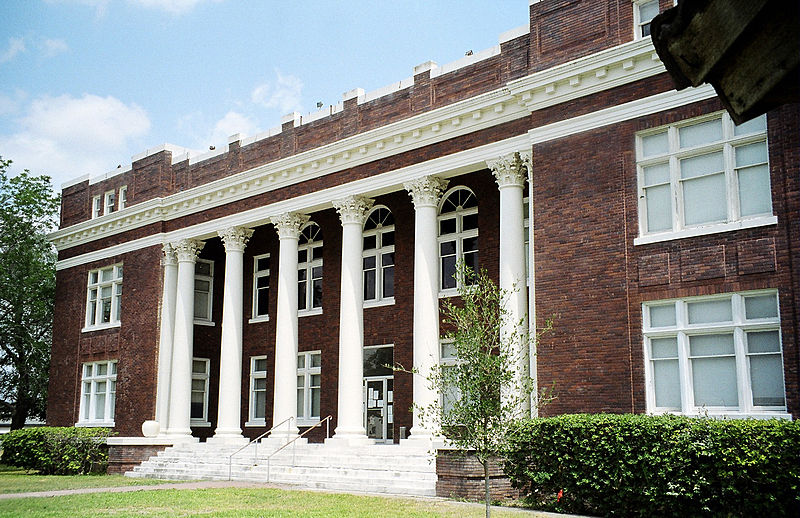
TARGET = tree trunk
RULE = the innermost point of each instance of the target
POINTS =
(19, 415)
(486, 486)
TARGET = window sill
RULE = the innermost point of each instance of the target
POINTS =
(733, 414)
(94, 424)
(199, 424)
(110, 325)
(307, 422)
(256, 423)
(378, 303)
(450, 292)
(706, 230)
(207, 323)
(256, 320)
(309, 312)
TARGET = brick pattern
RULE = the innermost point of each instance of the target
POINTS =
(461, 476)
(125, 458)
(756, 256)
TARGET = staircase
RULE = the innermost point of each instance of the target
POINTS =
(373, 468)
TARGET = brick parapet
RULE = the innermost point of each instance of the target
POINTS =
(460, 475)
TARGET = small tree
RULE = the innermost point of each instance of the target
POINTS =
(28, 208)
(483, 394)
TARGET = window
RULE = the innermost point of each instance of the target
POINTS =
(644, 11)
(458, 235)
(703, 174)
(203, 290)
(717, 354)
(97, 207)
(110, 203)
(258, 391)
(199, 405)
(103, 297)
(526, 226)
(308, 387)
(449, 360)
(379, 256)
(123, 197)
(98, 394)
(260, 288)
(309, 269)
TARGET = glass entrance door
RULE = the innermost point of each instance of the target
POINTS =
(378, 408)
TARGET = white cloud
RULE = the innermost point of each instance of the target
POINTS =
(15, 46)
(53, 47)
(232, 123)
(100, 6)
(170, 6)
(10, 104)
(285, 94)
(66, 137)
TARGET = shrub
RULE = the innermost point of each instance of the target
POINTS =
(57, 451)
(637, 465)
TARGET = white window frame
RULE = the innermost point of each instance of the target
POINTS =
(97, 206)
(734, 221)
(96, 284)
(204, 376)
(89, 391)
(109, 202)
(683, 330)
(307, 419)
(526, 229)
(378, 252)
(122, 200)
(458, 236)
(210, 279)
(638, 23)
(259, 274)
(447, 361)
(254, 375)
(308, 266)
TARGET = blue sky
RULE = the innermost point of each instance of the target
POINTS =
(86, 84)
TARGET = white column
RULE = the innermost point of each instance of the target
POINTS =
(168, 295)
(230, 363)
(187, 251)
(510, 172)
(425, 193)
(285, 394)
(350, 427)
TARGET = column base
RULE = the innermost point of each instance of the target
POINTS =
(228, 439)
(349, 440)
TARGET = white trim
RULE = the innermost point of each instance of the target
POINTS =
(258, 274)
(762, 221)
(210, 279)
(252, 421)
(201, 422)
(263, 318)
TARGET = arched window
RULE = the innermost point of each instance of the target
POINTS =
(379, 256)
(458, 235)
(309, 268)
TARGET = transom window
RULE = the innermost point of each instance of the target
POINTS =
(644, 11)
(379, 256)
(718, 354)
(258, 390)
(458, 236)
(98, 393)
(261, 287)
(309, 378)
(203, 290)
(103, 297)
(199, 405)
(704, 173)
(309, 268)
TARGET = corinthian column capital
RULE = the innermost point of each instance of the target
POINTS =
(353, 209)
(426, 191)
(511, 170)
(288, 224)
(235, 238)
(188, 250)
(169, 258)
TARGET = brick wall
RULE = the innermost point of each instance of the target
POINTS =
(461, 476)
(125, 458)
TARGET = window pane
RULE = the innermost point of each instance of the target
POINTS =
(316, 252)
(262, 282)
(106, 275)
(447, 248)
(101, 370)
(387, 238)
(388, 281)
(762, 306)
(710, 311)
(662, 316)
(201, 285)
(263, 263)
(87, 370)
(93, 278)
(766, 375)
(260, 365)
(664, 347)
(703, 133)
(370, 242)
(702, 165)
(315, 379)
(369, 284)
(714, 382)
(316, 272)
(376, 359)
(470, 244)
(447, 226)
(448, 350)
(755, 196)
(648, 10)
(301, 295)
(302, 256)
(471, 261)
(711, 345)
(301, 361)
(763, 342)
(198, 367)
(658, 143)
(387, 259)
(260, 384)
(315, 393)
(751, 154)
(201, 305)
(113, 366)
(260, 405)
(704, 200)
(202, 268)
(469, 222)
(316, 296)
(656, 174)
(667, 384)
(100, 403)
(300, 403)
(752, 126)
(659, 208)
(316, 360)
(369, 262)
(448, 271)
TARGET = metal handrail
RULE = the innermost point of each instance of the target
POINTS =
(326, 420)
(255, 451)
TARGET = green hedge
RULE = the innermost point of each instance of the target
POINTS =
(57, 451)
(636, 465)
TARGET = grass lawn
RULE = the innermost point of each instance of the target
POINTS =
(16, 480)
(236, 502)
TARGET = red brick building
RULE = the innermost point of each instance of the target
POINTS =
(271, 280)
